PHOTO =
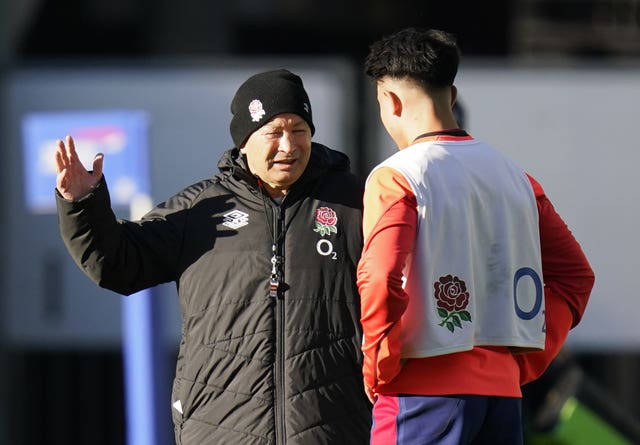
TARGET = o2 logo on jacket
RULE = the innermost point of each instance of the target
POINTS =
(326, 224)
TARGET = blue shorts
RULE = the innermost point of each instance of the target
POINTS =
(447, 420)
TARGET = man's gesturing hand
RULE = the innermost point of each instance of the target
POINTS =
(73, 180)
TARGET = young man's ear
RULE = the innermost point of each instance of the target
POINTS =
(389, 102)
(454, 94)
(395, 103)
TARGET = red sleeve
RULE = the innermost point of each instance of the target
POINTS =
(389, 226)
(568, 280)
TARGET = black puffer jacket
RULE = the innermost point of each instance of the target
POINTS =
(252, 368)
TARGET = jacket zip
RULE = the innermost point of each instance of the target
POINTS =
(279, 315)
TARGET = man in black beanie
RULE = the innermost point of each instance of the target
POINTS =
(264, 258)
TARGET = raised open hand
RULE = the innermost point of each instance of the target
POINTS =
(73, 180)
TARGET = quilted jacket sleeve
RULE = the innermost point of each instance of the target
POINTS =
(120, 255)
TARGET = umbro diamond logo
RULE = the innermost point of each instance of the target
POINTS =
(235, 219)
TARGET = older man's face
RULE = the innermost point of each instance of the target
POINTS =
(278, 152)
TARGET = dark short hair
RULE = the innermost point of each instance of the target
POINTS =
(429, 57)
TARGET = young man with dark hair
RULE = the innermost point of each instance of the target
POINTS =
(469, 279)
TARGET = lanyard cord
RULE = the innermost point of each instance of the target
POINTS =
(270, 227)
(276, 261)
(274, 279)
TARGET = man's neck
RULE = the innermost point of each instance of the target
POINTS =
(427, 126)
(276, 193)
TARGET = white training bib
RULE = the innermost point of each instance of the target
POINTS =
(475, 275)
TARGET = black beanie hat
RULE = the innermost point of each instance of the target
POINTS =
(264, 95)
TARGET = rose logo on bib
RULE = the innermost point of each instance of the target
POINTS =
(452, 299)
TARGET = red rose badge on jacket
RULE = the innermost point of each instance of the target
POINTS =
(326, 220)
(452, 298)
